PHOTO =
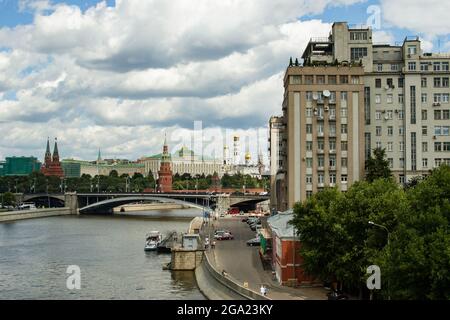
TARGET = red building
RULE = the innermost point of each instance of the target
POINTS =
(286, 259)
(165, 171)
(52, 166)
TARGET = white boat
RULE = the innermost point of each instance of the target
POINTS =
(152, 240)
(27, 206)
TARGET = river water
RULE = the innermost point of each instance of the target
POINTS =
(109, 250)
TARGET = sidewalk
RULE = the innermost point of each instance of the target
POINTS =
(243, 264)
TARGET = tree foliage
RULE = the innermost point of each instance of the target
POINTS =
(338, 243)
(377, 166)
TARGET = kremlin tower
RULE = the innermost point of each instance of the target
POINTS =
(165, 171)
(52, 166)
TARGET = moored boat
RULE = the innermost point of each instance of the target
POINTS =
(152, 240)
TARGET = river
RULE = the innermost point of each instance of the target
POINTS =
(109, 250)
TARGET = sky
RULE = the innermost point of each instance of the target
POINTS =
(119, 75)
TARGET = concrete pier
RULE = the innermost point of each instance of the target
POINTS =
(31, 214)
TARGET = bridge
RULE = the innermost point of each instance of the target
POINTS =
(101, 202)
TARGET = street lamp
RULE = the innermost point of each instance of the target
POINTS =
(388, 251)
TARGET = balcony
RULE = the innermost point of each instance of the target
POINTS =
(332, 117)
(320, 185)
(332, 134)
(320, 134)
(332, 151)
(320, 151)
(320, 168)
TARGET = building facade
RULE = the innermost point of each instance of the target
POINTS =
(183, 161)
(52, 165)
(19, 166)
(390, 97)
(76, 168)
(276, 157)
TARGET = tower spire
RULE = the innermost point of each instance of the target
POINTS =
(55, 151)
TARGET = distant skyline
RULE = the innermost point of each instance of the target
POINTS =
(116, 75)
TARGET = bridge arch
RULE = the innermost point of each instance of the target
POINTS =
(108, 204)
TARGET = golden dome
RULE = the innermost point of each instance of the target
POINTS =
(248, 156)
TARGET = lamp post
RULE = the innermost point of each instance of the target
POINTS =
(48, 196)
(389, 248)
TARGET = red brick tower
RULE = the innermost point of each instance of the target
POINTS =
(165, 171)
(52, 166)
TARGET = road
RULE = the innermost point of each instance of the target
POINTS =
(243, 263)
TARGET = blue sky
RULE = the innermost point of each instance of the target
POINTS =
(119, 74)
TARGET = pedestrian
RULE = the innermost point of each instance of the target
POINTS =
(262, 290)
(213, 245)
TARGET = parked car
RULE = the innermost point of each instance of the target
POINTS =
(223, 236)
(244, 219)
(222, 231)
(233, 210)
(255, 226)
(252, 220)
(337, 295)
(254, 242)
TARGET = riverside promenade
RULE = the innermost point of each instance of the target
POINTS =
(242, 263)
(32, 214)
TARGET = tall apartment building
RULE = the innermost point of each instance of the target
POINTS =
(276, 150)
(397, 99)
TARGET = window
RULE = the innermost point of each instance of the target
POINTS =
(401, 82)
(309, 95)
(320, 127)
(378, 144)
(402, 162)
(445, 82)
(437, 162)
(309, 128)
(446, 146)
(309, 194)
(320, 79)
(424, 130)
(344, 128)
(332, 144)
(332, 80)
(389, 114)
(344, 178)
(437, 97)
(379, 67)
(401, 146)
(296, 79)
(400, 114)
(320, 145)
(377, 115)
(320, 161)
(437, 114)
(389, 146)
(332, 161)
(389, 82)
(332, 178)
(411, 66)
(424, 97)
(437, 146)
(445, 114)
(436, 66)
(309, 145)
(377, 83)
(343, 112)
(445, 66)
(357, 53)
(344, 95)
(445, 97)
(389, 98)
(401, 98)
(308, 179)
(378, 98)
(378, 131)
(424, 66)
(309, 112)
(412, 49)
(390, 130)
(394, 67)
(309, 162)
(357, 35)
(401, 130)
(424, 115)
(391, 162)
(423, 82)
(320, 178)
(401, 178)
(425, 162)
(344, 162)
(437, 82)
(355, 79)
(309, 79)
(344, 145)
(332, 129)
(424, 146)
(343, 79)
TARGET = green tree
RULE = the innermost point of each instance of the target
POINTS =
(9, 199)
(377, 166)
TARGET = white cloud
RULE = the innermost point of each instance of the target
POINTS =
(116, 76)
(429, 18)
